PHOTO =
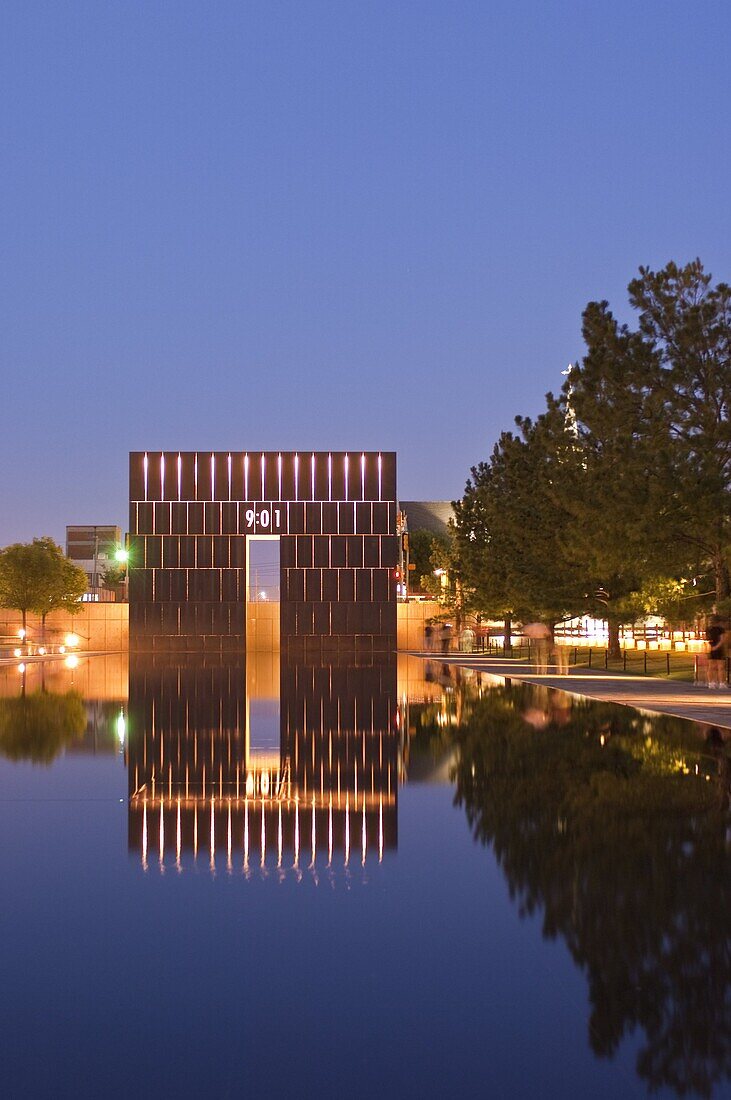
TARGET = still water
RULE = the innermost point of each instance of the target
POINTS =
(240, 878)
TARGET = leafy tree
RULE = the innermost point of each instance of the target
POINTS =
(37, 577)
(20, 578)
(421, 547)
(62, 583)
(511, 525)
(686, 322)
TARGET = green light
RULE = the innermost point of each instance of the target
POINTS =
(121, 555)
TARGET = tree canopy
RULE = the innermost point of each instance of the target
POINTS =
(39, 578)
(616, 500)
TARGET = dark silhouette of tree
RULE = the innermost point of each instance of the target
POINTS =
(37, 727)
(613, 825)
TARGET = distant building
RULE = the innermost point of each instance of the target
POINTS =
(92, 546)
(427, 515)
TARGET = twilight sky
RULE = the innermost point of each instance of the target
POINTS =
(299, 224)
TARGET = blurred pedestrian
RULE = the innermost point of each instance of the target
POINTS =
(716, 636)
(541, 637)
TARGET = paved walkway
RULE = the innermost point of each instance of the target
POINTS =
(693, 701)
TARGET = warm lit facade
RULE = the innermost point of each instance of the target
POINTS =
(193, 516)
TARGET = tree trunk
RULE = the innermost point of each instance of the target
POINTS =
(507, 634)
(43, 628)
(614, 646)
(723, 581)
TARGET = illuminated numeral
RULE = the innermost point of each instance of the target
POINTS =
(264, 517)
(277, 518)
(250, 517)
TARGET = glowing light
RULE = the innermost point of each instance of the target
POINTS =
(279, 475)
(347, 468)
(329, 477)
(17, 652)
(21, 634)
(246, 477)
(145, 467)
(213, 476)
(21, 668)
(296, 476)
(262, 596)
(347, 830)
(263, 474)
(72, 661)
(72, 640)
(121, 727)
(162, 476)
(362, 477)
(229, 475)
(162, 834)
(180, 476)
(312, 474)
(380, 476)
(144, 836)
(121, 555)
(62, 649)
(195, 474)
(42, 650)
(250, 784)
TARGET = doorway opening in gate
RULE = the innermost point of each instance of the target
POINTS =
(262, 592)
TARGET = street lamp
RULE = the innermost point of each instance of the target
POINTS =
(121, 556)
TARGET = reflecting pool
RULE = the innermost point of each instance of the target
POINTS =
(236, 876)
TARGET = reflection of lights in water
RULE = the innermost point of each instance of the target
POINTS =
(72, 661)
(71, 640)
(42, 650)
(17, 652)
(249, 785)
(21, 668)
(121, 727)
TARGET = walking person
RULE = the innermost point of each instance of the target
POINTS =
(717, 638)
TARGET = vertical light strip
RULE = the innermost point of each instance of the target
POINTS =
(380, 475)
(229, 475)
(380, 829)
(329, 477)
(180, 476)
(263, 474)
(213, 476)
(195, 474)
(347, 829)
(145, 465)
(246, 477)
(246, 835)
(362, 477)
(162, 476)
(144, 835)
(279, 474)
(296, 833)
(314, 832)
(296, 476)
(312, 474)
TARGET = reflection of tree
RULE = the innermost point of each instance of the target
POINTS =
(37, 727)
(599, 819)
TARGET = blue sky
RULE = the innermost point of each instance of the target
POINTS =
(302, 224)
